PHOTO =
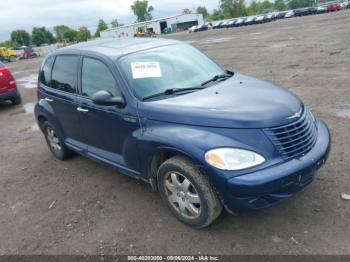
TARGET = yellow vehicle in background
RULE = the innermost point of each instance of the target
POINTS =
(8, 54)
(140, 32)
(144, 32)
(64, 43)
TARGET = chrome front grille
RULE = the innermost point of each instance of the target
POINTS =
(295, 139)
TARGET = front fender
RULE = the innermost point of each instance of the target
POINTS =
(194, 141)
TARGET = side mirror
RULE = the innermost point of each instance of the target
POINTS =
(105, 98)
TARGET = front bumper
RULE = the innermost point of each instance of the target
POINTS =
(269, 186)
(9, 95)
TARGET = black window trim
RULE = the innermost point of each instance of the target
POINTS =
(77, 79)
(42, 68)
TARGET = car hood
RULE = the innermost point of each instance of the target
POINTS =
(238, 102)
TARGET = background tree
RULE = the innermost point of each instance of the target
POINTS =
(59, 31)
(7, 44)
(279, 5)
(141, 10)
(83, 34)
(265, 6)
(42, 36)
(186, 11)
(115, 23)
(100, 27)
(293, 4)
(202, 10)
(70, 35)
(254, 8)
(239, 8)
(216, 15)
(20, 38)
(226, 6)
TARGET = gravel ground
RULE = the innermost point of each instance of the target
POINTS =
(82, 207)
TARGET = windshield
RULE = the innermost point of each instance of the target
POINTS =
(171, 67)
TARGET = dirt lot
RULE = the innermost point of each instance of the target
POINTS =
(95, 210)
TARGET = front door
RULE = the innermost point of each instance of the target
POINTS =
(108, 130)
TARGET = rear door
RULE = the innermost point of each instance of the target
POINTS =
(60, 91)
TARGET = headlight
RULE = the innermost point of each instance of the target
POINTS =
(233, 158)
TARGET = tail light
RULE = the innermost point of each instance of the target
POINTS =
(8, 79)
(4, 72)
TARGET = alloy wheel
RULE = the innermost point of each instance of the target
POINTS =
(54, 142)
(182, 195)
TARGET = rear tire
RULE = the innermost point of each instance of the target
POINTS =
(187, 193)
(16, 100)
(55, 143)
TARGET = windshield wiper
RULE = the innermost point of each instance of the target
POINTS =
(172, 91)
(217, 77)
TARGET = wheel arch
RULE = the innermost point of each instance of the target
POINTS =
(42, 116)
(160, 156)
(41, 119)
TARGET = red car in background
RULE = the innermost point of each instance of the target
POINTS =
(8, 87)
(333, 7)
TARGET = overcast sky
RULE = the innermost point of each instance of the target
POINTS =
(25, 14)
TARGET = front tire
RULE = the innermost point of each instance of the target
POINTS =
(187, 193)
(12, 58)
(56, 145)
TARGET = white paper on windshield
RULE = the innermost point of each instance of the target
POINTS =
(145, 70)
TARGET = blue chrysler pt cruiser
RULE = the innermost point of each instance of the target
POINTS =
(162, 111)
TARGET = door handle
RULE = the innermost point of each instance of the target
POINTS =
(48, 99)
(80, 109)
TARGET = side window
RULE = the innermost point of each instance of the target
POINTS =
(95, 77)
(64, 73)
(45, 73)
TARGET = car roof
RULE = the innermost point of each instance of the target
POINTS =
(116, 47)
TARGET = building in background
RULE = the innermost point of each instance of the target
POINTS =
(170, 24)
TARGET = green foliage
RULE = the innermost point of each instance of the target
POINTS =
(233, 8)
(83, 34)
(254, 8)
(141, 10)
(115, 23)
(216, 15)
(42, 36)
(71, 35)
(226, 7)
(20, 38)
(280, 5)
(7, 44)
(100, 27)
(202, 10)
(237, 8)
(187, 11)
(293, 4)
(59, 31)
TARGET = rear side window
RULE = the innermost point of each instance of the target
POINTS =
(64, 73)
(45, 73)
(95, 77)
